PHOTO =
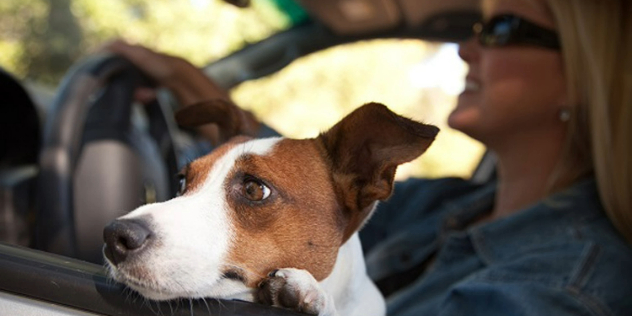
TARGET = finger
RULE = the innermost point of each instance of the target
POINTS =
(111, 46)
(157, 66)
(145, 95)
(135, 53)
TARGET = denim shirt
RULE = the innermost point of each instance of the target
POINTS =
(560, 256)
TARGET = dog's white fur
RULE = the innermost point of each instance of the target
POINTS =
(354, 292)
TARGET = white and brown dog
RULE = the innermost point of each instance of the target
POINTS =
(271, 220)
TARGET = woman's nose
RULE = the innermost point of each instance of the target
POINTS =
(469, 50)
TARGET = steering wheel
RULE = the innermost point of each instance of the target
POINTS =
(100, 158)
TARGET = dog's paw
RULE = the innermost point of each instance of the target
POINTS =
(296, 290)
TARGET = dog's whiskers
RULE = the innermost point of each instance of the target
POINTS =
(128, 294)
(170, 307)
(208, 308)
(158, 311)
(158, 308)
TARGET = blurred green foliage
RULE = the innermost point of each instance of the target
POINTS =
(40, 39)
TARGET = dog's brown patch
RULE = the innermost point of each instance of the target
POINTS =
(298, 225)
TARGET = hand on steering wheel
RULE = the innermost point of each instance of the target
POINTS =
(191, 87)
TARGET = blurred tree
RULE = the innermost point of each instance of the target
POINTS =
(53, 47)
(18, 21)
(41, 39)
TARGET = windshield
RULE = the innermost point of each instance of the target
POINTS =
(41, 39)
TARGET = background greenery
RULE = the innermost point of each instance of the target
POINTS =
(41, 39)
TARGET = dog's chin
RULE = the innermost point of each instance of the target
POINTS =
(223, 289)
(164, 290)
(149, 292)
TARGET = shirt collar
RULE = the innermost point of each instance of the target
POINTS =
(543, 222)
(461, 212)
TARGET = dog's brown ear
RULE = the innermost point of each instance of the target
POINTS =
(365, 149)
(229, 119)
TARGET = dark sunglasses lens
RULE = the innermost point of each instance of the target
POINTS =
(497, 31)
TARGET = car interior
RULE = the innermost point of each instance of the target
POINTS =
(94, 155)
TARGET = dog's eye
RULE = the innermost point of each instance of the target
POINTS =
(182, 184)
(255, 190)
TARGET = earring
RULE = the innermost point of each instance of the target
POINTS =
(564, 115)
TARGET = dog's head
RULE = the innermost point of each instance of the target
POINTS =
(255, 205)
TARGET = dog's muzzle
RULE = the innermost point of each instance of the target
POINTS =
(124, 238)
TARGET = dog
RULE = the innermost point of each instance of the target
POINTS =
(271, 220)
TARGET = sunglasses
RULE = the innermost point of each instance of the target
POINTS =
(507, 29)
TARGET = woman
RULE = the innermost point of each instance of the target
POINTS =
(551, 103)
(548, 91)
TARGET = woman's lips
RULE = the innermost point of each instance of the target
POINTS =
(472, 85)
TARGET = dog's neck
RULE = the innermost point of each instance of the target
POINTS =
(349, 269)
(349, 284)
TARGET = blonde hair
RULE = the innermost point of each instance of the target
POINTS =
(596, 38)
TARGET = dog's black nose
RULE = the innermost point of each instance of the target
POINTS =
(124, 237)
